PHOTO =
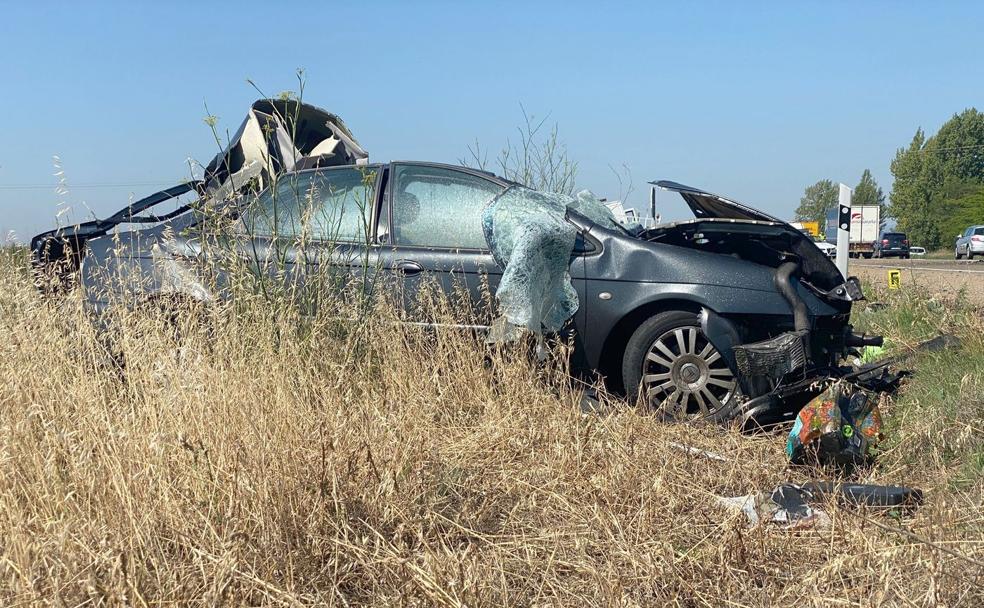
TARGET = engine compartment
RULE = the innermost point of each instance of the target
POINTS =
(767, 243)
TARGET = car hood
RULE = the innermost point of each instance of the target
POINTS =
(706, 205)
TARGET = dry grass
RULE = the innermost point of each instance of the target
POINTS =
(277, 462)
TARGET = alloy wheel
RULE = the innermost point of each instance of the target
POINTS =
(684, 375)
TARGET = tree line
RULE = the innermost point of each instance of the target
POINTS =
(938, 187)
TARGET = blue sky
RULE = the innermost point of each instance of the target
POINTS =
(752, 100)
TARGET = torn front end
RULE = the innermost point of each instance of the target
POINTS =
(781, 362)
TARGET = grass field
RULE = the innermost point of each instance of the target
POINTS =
(271, 461)
(957, 282)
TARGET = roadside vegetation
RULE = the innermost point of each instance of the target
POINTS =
(264, 458)
(937, 186)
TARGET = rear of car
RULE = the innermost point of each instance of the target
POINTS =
(970, 243)
(892, 244)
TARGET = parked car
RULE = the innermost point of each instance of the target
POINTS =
(677, 313)
(828, 249)
(917, 250)
(891, 244)
(970, 242)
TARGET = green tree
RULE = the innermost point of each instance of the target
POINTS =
(867, 192)
(817, 200)
(916, 190)
(962, 207)
(959, 145)
(932, 174)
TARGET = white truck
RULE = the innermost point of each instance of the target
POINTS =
(865, 229)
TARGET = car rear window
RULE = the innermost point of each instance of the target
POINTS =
(979, 230)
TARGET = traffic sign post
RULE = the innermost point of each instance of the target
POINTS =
(843, 229)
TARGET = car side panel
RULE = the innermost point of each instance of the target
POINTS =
(468, 277)
(132, 267)
(626, 276)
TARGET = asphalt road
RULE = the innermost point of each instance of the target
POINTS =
(943, 277)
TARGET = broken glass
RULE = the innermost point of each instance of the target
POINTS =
(532, 241)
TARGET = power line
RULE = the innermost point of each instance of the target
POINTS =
(73, 186)
(968, 147)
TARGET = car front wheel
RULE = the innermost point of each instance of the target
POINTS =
(671, 366)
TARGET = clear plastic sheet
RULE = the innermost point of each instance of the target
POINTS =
(532, 241)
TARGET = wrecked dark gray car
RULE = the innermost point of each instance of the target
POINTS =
(729, 315)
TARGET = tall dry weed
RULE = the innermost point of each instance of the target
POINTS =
(259, 457)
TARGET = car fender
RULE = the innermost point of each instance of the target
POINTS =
(610, 304)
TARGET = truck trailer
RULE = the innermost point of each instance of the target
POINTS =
(865, 229)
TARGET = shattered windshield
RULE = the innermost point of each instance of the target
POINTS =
(532, 240)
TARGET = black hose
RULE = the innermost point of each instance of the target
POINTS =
(801, 317)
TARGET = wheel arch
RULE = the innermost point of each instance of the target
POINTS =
(610, 361)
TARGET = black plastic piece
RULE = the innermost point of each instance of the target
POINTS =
(864, 494)
(772, 358)
(863, 340)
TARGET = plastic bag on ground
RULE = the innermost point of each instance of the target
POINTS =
(839, 426)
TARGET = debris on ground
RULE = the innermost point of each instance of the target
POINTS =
(870, 354)
(698, 452)
(940, 342)
(864, 495)
(784, 506)
(840, 427)
(792, 506)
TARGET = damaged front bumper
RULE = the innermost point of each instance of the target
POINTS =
(780, 374)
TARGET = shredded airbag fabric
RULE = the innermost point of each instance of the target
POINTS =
(532, 241)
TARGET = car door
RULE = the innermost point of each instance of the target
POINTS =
(313, 233)
(433, 242)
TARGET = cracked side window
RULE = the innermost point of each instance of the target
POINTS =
(439, 207)
(329, 205)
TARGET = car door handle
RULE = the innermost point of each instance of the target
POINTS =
(408, 267)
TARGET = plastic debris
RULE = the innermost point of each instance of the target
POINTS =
(698, 452)
(840, 426)
(789, 505)
(784, 506)
(532, 241)
(871, 353)
(866, 495)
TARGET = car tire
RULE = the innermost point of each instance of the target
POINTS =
(956, 254)
(671, 367)
(970, 254)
